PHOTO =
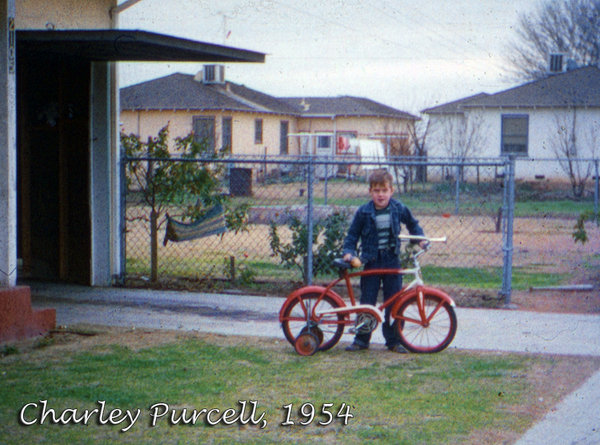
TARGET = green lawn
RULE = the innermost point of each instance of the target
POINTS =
(380, 398)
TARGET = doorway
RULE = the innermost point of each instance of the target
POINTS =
(53, 108)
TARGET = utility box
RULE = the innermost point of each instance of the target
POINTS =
(240, 182)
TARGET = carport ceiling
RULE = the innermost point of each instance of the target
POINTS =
(126, 45)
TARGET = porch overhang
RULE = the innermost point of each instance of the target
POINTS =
(127, 45)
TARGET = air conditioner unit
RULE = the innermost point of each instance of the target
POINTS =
(556, 63)
(213, 74)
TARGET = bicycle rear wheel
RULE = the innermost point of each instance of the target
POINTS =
(295, 319)
(427, 328)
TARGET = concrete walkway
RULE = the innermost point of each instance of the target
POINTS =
(576, 420)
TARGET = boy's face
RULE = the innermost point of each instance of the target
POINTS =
(381, 195)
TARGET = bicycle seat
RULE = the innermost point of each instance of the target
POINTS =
(341, 264)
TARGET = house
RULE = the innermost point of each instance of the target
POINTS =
(224, 113)
(250, 122)
(59, 148)
(555, 117)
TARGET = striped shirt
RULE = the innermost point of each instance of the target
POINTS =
(383, 220)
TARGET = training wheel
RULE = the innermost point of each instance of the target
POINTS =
(313, 330)
(306, 344)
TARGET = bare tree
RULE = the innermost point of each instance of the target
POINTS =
(567, 27)
(418, 134)
(463, 136)
(398, 145)
(569, 149)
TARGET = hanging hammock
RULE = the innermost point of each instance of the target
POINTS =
(211, 223)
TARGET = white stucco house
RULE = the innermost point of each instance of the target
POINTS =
(540, 121)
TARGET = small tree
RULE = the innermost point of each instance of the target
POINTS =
(163, 182)
(326, 244)
(399, 145)
(579, 233)
(463, 136)
(418, 133)
(567, 148)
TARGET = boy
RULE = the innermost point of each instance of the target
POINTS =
(377, 225)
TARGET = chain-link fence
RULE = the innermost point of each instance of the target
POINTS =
(283, 201)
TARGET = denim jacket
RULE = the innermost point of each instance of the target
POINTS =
(364, 228)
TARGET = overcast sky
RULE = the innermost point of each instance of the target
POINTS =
(406, 54)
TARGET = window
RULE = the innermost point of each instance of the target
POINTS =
(226, 133)
(284, 128)
(515, 134)
(323, 141)
(258, 131)
(204, 131)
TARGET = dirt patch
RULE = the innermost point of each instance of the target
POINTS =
(564, 302)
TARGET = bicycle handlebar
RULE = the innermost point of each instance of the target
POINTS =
(442, 239)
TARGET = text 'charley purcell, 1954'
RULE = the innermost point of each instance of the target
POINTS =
(39, 413)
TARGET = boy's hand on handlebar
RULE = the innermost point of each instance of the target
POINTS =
(353, 260)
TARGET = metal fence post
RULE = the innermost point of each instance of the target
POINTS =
(596, 192)
(507, 234)
(457, 189)
(123, 218)
(309, 221)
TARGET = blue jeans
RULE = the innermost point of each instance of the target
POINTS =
(369, 287)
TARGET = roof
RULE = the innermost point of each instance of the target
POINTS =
(576, 88)
(181, 92)
(127, 45)
(455, 107)
(345, 106)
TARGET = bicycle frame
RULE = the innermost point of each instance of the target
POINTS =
(416, 284)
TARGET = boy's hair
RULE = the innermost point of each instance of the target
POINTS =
(381, 177)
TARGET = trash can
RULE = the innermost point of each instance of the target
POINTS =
(240, 182)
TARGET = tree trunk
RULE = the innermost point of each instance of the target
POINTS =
(153, 246)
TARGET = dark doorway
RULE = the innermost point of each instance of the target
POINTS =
(53, 108)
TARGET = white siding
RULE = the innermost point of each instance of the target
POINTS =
(545, 127)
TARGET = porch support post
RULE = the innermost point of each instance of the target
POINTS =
(8, 146)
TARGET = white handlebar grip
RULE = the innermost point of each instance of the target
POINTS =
(442, 239)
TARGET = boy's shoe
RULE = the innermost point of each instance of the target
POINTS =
(356, 347)
(399, 349)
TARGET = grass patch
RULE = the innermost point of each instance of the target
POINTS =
(441, 398)
(489, 278)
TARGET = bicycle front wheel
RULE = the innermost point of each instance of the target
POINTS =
(427, 326)
(300, 314)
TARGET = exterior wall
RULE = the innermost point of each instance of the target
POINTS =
(64, 14)
(8, 152)
(148, 123)
(544, 135)
(362, 126)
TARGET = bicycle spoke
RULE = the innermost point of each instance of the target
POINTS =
(427, 327)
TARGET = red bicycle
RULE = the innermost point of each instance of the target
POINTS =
(313, 318)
